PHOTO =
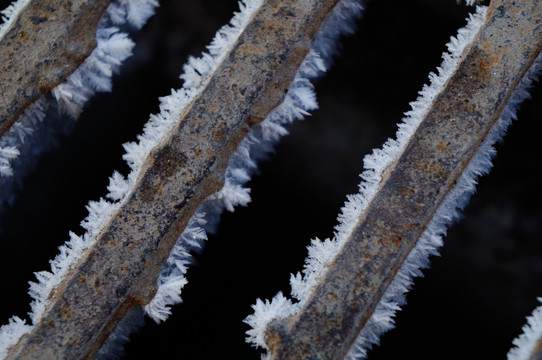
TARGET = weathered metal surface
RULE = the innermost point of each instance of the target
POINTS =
(44, 45)
(121, 269)
(459, 119)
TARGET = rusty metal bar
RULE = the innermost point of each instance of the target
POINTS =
(121, 268)
(436, 155)
(47, 41)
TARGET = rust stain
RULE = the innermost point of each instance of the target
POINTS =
(152, 187)
(211, 155)
(65, 312)
(139, 300)
(23, 36)
(423, 165)
(272, 339)
(488, 56)
(252, 120)
(442, 146)
(168, 159)
(396, 240)
(219, 134)
(125, 267)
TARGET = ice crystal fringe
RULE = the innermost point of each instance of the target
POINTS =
(472, 2)
(112, 48)
(20, 147)
(527, 343)
(9, 14)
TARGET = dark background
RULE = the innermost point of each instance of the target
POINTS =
(470, 304)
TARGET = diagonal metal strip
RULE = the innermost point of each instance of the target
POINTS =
(120, 270)
(414, 186)
(46, 42)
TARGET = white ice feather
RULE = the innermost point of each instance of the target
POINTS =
(10, 13)
(265, 312)
(527, 342)
(12, 141)
(11, 333)
(6, 154)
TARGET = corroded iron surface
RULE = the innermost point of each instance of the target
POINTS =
(459, 119)
(121, 269)
(44, 45)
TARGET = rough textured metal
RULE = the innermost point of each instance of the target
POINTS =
(461, 116)
(44, 45)
(121, 269)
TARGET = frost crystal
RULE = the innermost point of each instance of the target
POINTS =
(528, 342)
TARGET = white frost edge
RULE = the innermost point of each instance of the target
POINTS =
(528, 342)
(93, 75)
(322, 253)
(9, 14)
(299, 99)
